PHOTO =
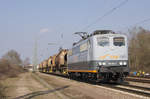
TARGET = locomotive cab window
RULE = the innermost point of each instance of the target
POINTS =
(119, 41)
(103, 41)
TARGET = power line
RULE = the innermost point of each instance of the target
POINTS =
(107, 13)
(143, 21)
(135, 24)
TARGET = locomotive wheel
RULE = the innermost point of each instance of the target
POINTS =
(120, 80)
(105, 80)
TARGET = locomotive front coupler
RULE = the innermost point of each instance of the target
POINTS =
(105, 69)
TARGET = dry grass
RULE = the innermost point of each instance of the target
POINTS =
(7, 70)
(2, 92)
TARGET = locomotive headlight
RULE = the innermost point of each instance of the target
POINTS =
(121, 63)
(124, 63)
(104, 63)
(100, 63)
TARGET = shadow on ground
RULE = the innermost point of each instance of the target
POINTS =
(37, 93)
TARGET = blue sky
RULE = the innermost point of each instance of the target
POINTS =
(23, 20)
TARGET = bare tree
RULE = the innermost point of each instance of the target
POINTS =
(139, 49)
(13, 57)
(26, 62)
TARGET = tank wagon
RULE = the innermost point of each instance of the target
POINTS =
(50, 64)
(102, 55)
(53, 63)
(45, 65)
(40, 67)
(61, 61)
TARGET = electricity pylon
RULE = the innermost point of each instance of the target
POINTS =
(35, 58)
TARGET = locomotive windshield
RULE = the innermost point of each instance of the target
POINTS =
(119, 41)
(103, 41)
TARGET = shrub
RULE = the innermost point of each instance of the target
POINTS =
(2, 92)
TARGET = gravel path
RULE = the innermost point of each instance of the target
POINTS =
(25, 86)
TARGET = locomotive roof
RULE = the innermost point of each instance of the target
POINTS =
(102, 32)
(97, 32)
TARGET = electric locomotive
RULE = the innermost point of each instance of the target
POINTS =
(103, 55)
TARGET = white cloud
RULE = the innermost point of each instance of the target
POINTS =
(44, 30)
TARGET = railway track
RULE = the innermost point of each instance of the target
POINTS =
(137, 90)
(148, 77)
(134, 89)
(135, 79)
(126, 79)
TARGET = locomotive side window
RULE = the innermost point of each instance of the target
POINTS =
(103, 41)
(118, 41)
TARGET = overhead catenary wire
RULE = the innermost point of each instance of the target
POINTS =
(143, 21)
(135, 24)
(105, 14)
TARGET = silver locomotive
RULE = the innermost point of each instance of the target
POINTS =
(103, 55)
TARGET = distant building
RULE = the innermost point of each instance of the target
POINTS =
(37, 67)
(29, 67)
